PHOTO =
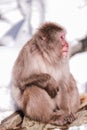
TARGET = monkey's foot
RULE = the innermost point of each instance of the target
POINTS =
(58, 120)
(70, 118)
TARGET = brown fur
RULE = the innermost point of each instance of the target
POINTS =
(42, 85)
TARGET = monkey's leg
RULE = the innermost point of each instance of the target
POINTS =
(42, 80)
(58, 118)
(37, 104)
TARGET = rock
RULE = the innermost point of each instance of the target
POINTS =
(13, 121)
(33, 125)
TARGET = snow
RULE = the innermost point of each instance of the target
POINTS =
(6, 105)
(78, 67)
(7, 59)
(69, 14)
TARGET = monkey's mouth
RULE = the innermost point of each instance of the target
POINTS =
(65, 53)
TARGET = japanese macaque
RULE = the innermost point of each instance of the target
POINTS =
(42, 84)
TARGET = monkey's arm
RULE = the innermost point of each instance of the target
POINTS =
(42, 80)
(24, 79)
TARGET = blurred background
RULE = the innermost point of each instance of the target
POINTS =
(19, 19)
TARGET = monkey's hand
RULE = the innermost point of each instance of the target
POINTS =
(52, 89)
(47, 82)
(44, 81)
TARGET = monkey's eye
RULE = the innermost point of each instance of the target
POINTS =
(40, 37)
(62, 37)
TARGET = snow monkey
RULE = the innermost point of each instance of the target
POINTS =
(42, 85)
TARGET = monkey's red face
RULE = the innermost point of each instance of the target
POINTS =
(65, 45)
